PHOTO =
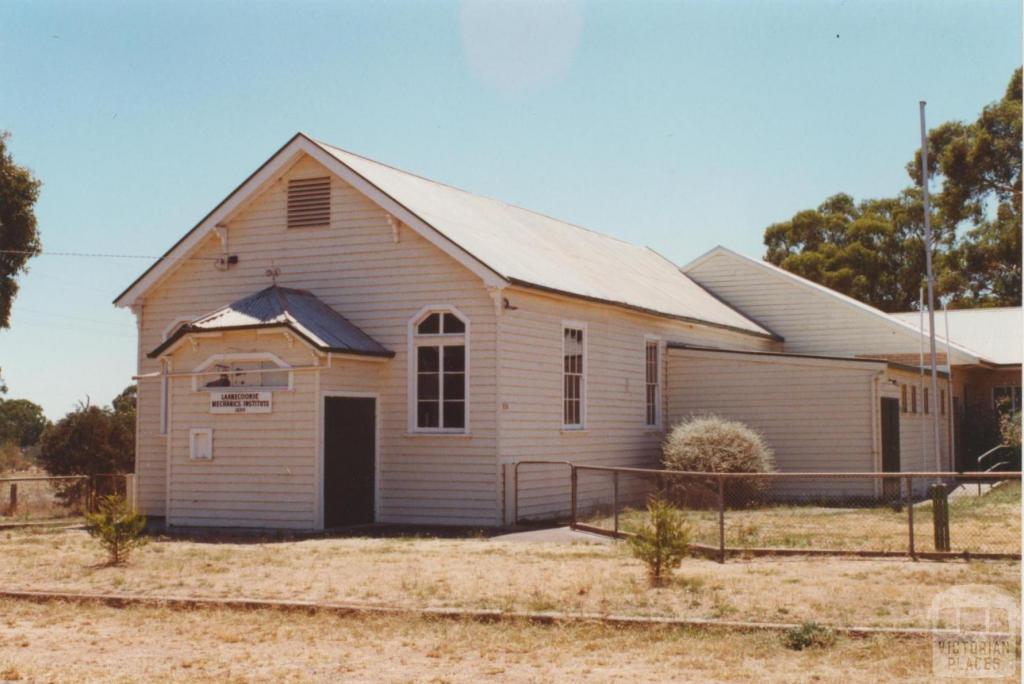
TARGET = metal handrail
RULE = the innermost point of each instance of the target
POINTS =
(515, 481)
(990, 452)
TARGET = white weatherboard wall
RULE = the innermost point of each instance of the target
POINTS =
(615, 433)
(818, 415)
(815, 414)
(810, 320)
(263, 470)
(356, 267)
(917, 440)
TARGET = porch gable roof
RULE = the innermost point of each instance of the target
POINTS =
(300, 311)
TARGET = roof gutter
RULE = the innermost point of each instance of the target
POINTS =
(791, 355)
(651, 312)
(187, 330)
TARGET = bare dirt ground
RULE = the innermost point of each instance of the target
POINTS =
(481, 573)
(73, 643)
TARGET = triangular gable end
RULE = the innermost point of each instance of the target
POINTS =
(259, 180)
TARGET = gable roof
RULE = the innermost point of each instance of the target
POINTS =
(503, 244)
(997, 334)
(890, 321)
(281, 307)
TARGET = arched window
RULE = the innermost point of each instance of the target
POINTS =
(440, 350)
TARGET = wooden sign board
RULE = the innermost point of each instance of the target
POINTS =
(235, 401)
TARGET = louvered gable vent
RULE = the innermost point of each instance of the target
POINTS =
(309, 202)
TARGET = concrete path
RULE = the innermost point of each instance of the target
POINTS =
(556, 535)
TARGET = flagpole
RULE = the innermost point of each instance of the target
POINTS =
(931, 282)
(920, 376)
(949, 384)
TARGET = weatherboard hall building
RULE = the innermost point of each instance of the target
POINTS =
(340, 342)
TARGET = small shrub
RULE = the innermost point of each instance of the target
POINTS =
(662, 541)
(716, 445)
(712, 444)
(808, 635)
(118, 528)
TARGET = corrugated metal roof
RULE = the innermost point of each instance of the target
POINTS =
(298, 310)
(531, 249)
(892, 320)
(996, 334)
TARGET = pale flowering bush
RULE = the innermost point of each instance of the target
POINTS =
(712, 444)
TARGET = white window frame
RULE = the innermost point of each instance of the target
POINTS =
(653, 340)
(1013, 397)
(193, 434)
(197, 381)
(582, 327)
(416, 340)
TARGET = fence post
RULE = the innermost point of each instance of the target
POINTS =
(721, 519)
(13, 508)
(515, 494)
(940, 513)
(910, 515)
(615, 500)
(572, 495)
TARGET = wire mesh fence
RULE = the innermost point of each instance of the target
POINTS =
(874, 514)
(37, 498)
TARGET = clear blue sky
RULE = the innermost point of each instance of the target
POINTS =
(679, 125)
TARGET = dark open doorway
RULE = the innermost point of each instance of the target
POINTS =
(349, 460)
(891, 447)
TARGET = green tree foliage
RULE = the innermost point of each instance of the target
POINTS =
(125, 401)
(661, 541)
(21, 422)
(979, 166)
(118, 528)
(19, 239)
(873, 250)
(90, 440)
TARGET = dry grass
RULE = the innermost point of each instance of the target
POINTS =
(990, 523)
(61, 642)
(481, 573)
(37, 500)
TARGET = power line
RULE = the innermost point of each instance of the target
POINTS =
(98, 255)
(36, 312)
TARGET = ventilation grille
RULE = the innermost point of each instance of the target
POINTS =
(309, 202)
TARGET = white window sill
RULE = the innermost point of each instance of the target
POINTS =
(416, 433)
(573, 430)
